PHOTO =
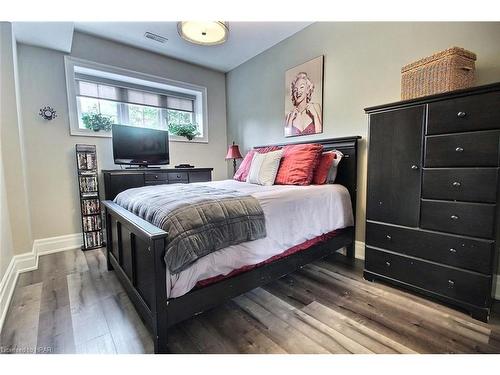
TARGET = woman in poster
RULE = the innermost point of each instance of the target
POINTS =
(305, 117)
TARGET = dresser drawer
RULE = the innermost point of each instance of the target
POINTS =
(202, 176)
(475, 112)
(461, 285)
(160, 176)
(470, 219)
(458, 251)
(178, 177)
(478, 149)
(461, 184)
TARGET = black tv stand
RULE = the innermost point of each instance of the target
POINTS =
(118, 180)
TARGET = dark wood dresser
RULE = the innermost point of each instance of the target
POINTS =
(433, 185)
(118, 180)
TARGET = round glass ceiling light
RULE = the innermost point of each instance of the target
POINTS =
(205, 33)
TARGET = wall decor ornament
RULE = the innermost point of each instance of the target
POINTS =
(48, 113)
(304, 98)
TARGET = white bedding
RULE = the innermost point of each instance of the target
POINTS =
(294, 214)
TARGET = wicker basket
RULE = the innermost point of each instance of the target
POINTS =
(448, 70)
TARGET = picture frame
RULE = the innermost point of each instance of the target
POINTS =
(304, 98)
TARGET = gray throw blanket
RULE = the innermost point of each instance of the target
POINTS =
(198, 219)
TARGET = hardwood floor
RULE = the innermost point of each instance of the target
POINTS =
(72, 304)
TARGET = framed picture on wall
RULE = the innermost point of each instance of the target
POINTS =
(304, 98)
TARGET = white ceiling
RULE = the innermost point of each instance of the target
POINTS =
(246, 39)
(53, 35)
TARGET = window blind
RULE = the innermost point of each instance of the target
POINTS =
(129, 93)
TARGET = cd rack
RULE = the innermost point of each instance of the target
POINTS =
(90, 205)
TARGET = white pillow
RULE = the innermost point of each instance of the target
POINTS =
(264, 168)
(332, 173)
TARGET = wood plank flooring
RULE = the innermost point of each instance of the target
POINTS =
(72, 304)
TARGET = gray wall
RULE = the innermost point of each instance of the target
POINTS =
(50, 150)
(362, 68)
(14, 206)
(6, 248)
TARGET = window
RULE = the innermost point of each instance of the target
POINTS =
(132, 106)
(95, 98)
(132, 100)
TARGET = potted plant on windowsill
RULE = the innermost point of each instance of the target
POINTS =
(184, 130)
(97, 122)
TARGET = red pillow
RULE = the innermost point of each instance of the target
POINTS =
(242, 172)
(323, 169)
(298, 164)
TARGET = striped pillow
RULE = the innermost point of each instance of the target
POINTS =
(264, 168)
(332, 174)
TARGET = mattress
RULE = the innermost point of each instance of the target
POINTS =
(294, 215)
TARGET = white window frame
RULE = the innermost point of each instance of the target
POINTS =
(200, 103)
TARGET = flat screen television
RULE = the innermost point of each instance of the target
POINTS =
(139, 146)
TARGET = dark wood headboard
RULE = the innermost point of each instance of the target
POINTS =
(347, 174)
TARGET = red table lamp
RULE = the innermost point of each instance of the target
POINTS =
(234, 153)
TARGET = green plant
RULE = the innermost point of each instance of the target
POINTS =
(97, 121)
(184, 130)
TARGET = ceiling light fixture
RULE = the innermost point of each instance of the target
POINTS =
(205, 33)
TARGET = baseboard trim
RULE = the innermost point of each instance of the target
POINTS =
(359, 250)
(56, 244)
(7, 285)
(19, 263)
(28, 262)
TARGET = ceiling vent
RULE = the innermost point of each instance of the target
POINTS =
(155, 37)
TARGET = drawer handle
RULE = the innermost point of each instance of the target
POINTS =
(459, 149)
(388, 236)
(461, 114)
(451, 283)
(456, 184)
(388, 264)
(156, 177)
(414, 167)
(178, 176)
(453, 251)
(454, 217)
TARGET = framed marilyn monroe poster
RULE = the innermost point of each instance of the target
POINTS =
(304, 98)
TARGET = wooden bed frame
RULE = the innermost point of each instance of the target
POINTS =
(135, 250)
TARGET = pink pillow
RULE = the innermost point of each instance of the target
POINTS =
(298, 164)
(242, 172)
(323, 169)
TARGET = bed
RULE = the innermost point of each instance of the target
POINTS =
(135, 248)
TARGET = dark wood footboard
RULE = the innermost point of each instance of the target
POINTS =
(135, 250)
